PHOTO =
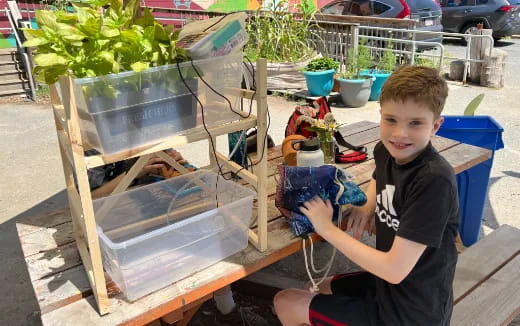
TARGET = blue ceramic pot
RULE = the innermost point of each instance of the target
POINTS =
(319, 83)
(381, 77)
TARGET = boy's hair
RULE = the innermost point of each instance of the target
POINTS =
(423, 85)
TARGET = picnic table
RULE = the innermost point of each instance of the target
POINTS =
(63, 291)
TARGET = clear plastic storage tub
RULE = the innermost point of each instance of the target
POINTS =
(122, 111)
(158, 234)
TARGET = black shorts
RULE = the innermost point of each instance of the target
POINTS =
(352, 302)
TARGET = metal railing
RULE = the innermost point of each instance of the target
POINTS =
(23, 53)
(409, 56)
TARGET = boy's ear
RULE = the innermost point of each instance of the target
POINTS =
(437, 124)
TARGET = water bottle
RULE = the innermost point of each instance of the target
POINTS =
(309, 152)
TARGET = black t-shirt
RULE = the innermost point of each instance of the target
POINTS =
(417, 201)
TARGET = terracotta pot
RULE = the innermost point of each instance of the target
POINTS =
(289, 154)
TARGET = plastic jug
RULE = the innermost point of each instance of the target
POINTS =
(309, 153)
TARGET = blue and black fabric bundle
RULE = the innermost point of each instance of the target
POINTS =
(297, 185)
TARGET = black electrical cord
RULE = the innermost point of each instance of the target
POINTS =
(218, 21)
(213, 148)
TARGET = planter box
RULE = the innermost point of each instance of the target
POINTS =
(128, 110)
(158, 234)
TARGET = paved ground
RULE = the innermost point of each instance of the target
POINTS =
(32, 177)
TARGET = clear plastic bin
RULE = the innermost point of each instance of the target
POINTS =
(158, 234)
(122, 111)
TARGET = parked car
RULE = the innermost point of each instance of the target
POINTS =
(462, 16)
(427, 13)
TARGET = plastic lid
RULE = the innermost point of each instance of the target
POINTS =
(312, 144)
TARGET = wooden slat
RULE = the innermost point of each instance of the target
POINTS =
(482, 259)
(88, 242)
(243, 173)
(261, 149)
(495, 302)
(35, 223)
(63, 288)
(464, 157)
(47, 239)
(52, 261)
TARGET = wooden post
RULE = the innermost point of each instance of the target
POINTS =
(479, 48)
(88, 243)
(261, 145)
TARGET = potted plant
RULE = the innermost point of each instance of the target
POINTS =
(382, 71)
(126, 92)
(319, 75)
(354, 86)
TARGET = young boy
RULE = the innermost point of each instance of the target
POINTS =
(412, 202)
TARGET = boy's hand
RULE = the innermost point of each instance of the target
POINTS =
(155, 164)
(358, 221)
(176, 156)
(319, 213)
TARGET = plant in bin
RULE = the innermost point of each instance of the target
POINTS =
(94, 42)
(114, 57)
(319, 75)
(354, 85)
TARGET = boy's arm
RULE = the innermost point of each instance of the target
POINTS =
(392, 266)
(107, 188)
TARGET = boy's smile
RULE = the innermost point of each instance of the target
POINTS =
(406, 128)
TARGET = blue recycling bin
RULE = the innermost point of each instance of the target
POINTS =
(482, 131)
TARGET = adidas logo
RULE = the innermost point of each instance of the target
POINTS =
(385, 210)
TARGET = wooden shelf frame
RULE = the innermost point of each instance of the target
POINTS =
(76, 164)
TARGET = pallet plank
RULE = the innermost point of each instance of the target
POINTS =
(482, 259)
(495, 302)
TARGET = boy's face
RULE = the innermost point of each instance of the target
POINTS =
(406, 129)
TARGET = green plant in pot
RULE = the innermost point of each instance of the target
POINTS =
(354, 86)
(383, 69)
(319, 75)
(117, 60)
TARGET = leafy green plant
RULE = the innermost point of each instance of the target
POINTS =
(277, 35)
(322, 63)
(93, 41)
(420, 61)
(357, 62)
(473, 105)
(388, 60)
